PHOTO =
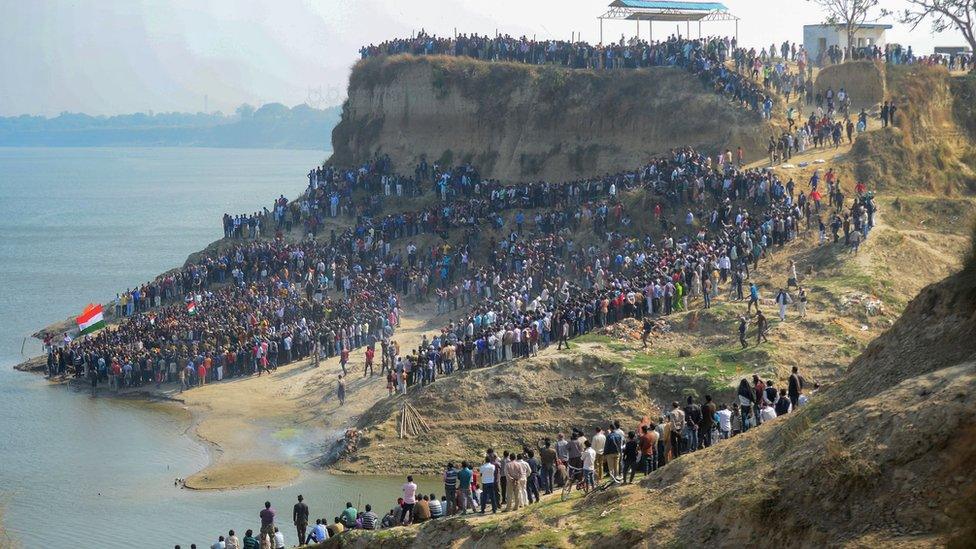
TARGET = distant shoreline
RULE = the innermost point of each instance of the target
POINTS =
(166, 146)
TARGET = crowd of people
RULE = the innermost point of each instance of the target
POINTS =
(511, 479)
(267, 302)
(516, 268)
(704, 57)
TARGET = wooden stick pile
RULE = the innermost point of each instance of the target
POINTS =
(411, 422)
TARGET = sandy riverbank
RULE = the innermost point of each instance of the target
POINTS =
(264, 430)
(250, 422)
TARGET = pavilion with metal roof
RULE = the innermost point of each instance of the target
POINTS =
(667, 10)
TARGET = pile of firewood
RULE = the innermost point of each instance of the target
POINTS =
(411, 422)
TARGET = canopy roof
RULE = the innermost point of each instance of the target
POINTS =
(665, 10)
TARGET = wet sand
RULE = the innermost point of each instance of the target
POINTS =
(240, 418)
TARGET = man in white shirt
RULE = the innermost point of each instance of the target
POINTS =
(589, 460)
(768, 412)
(219, 544)
(598, 443)
(487, 471)
(279, 539)
(409, 499)
(724, 421)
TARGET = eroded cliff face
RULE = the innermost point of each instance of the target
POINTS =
(519, 123)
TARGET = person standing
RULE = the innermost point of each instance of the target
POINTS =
(341, 391)
(299, 516)
(783, 299)
(761, 326)
(648, 444)
(589, 464)
(563, 335)
(548, 458)
(267, 520)
(611, 452)
(707, 421)
(795, 387)
(464, 476)
(450, 488)
(631, 453)
(513, 474)
(743, 324)
(488, 492)
(753, 297)
(598, 443)
(409, 500)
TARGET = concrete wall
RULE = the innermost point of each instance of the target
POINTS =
(817, 36)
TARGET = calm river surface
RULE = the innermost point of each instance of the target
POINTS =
(76, 226)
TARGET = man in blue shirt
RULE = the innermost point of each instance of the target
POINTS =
(464, 485)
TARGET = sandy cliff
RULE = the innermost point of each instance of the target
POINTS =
(518, 122)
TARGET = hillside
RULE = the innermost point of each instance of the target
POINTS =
(882, 456)
(521, 122)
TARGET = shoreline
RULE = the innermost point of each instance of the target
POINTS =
(294, 408)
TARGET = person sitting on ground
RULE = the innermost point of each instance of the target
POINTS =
(232, 542)
(369, 518)
(318, 534)
(389, 519)
(251, 542)
(436, 510)
(336, 527)
(219, 544)
(421, 511)
(349, 516)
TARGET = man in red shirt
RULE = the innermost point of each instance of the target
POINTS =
(648, 443)
(370, 353)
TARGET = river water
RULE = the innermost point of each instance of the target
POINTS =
(76, 226)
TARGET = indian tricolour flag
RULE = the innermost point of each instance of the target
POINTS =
(91, 319)
(191, 308)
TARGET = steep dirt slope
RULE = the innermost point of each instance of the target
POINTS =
(886, 457)
(863, 80)
(500, 407)
(519, 122)
(930, 149)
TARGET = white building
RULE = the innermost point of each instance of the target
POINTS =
(817, 38)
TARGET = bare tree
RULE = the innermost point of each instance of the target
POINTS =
(944, 14)
(850, 14)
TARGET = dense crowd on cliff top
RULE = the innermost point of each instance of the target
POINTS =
(637, 53)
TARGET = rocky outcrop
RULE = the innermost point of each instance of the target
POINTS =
(518, 122)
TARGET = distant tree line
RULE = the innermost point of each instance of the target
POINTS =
(273, 125)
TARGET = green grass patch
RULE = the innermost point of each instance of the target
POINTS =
(288, 433)
(539, 538)
(719, 364)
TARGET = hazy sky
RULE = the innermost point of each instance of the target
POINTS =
(115, 56)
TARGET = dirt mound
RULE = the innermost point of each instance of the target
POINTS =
(863, 80)
(521, 122)
(930, 148)
(529, 399)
